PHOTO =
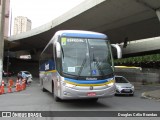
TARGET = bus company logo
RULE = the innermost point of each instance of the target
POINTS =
(46, 66)
(91, 78)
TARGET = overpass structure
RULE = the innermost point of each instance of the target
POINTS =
(121, 20)
(138, 47)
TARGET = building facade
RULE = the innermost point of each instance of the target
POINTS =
(7, 15)
(21, 24)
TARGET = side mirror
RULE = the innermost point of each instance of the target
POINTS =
(119, 50)
(58, 50)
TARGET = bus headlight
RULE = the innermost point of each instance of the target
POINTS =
(68, 85)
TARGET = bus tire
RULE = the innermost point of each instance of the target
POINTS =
(57, 99)
(43, 89)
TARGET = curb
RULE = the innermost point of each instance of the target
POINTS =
(145, 95)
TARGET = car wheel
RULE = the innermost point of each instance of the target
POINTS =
(131, 94)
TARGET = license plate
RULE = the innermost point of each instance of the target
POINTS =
(91, 94)
(127, 90)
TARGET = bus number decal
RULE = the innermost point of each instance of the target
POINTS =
(71, 69)
(63, 41)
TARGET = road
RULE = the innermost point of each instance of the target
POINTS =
(33, 99)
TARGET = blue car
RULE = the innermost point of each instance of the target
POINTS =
(24, 74)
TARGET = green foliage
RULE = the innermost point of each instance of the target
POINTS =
(139, 59)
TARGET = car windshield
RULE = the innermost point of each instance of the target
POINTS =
(86, 57)
(121, 80)
(26, 72)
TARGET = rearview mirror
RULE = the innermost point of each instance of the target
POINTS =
(119, 50)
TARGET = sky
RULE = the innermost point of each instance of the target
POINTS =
(41, 11)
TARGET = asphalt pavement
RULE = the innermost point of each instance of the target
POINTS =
(151, 91)
(148, 93)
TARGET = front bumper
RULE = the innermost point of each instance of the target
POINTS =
(124, 91)
(82, 92)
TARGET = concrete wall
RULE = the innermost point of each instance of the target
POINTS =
(147, 75)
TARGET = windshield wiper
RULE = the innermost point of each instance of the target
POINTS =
(81, 68)
(62, 52)
(98, 66)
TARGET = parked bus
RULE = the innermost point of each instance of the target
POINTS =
(77, 65)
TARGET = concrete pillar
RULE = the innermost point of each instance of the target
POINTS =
(158, 14)
(2, 19)
(35, 56)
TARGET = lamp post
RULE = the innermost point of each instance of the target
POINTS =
(8, 63)
(2, 19)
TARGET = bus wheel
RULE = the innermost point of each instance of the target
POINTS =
(43, 89)
(57, 99)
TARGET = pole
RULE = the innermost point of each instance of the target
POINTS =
(10, 31)
(2, 21)
(8, 63)
(158, 14)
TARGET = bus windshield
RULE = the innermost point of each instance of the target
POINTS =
(83, 57)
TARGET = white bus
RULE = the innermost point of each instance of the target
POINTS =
(77, 65)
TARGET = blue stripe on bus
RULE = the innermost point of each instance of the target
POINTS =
(87, 81)
(99, 36)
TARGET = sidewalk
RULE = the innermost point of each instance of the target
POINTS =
(149, 94)
(152, 94)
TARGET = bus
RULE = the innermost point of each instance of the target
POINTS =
(77, 64)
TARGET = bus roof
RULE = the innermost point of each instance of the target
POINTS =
(81, 34)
